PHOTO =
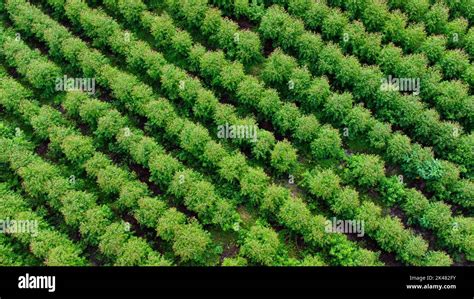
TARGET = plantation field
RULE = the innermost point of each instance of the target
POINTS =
(236, 133)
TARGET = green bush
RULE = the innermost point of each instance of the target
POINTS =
(376, 15)
(312, 261)
(274, 198)
(371, 215)
(162, 168)
(75, 205)
(65, 255)
(278, 68)
(232, 167)
(191, 242)
(285, 118)
(168, 224)
(253, 184)
(437, 215)
(434, 47)
(95, 223)
(112, 178)
(149, 211)
(437, 258)
(415, 204)
(345, 202)
(327, 144)
(306, 128)
(261, 246)
(77, 148)
(365, 170)
(391, 235)
(133, 253)
(234, 262)
(283, 157)
(323, 183)
(338, 106)
(392, 190)
(437, 18)
(414, 249)
(295, 215)
(334, 24)
(454, 63)
(130, 193)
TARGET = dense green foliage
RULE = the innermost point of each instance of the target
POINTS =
(232, 132)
